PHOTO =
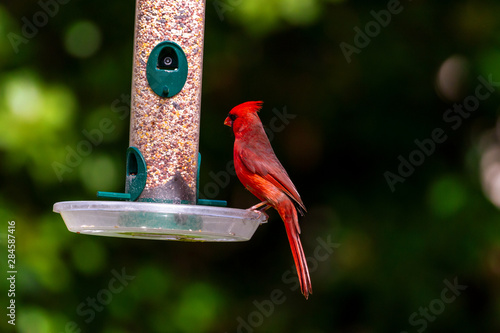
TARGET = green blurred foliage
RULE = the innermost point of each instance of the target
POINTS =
(351, 121)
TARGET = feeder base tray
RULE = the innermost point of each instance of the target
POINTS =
(159, 221)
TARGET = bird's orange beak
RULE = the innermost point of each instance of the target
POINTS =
(228, 122)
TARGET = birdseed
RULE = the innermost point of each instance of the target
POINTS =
(166, 130)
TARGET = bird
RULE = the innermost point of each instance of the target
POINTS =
(261, 173)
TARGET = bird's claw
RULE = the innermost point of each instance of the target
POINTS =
(260, 210)
(261, 206)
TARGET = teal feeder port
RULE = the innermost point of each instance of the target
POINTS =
(167, 69)
(161, 200)
(135, 178)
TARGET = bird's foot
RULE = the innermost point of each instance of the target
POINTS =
(261, 206)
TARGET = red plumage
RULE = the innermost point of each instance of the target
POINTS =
(262, 174)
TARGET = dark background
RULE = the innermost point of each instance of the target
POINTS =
(395, 253)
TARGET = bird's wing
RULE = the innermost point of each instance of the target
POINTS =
(260, 159)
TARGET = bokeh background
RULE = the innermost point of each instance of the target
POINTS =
(393, 253)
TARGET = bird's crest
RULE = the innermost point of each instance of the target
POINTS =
(247, 107)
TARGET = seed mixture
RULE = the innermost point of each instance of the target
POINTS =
(166, 130)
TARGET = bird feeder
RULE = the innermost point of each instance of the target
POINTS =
(160, 200)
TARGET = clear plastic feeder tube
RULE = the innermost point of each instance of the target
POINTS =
(166, 129)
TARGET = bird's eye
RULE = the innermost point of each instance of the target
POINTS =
(232, 116)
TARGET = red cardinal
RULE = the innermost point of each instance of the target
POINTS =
(262, 174)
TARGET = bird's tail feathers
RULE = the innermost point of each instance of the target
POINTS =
(289, 216)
